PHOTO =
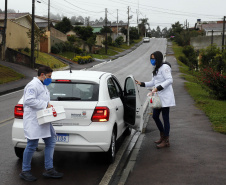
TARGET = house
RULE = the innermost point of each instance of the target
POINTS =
(18, 24)
(100, 37)
(209, 26)
(40, 19)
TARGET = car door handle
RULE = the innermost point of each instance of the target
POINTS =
(116, 108)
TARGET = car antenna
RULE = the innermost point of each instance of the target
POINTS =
(70, 68)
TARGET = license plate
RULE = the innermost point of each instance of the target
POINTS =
(62, 138)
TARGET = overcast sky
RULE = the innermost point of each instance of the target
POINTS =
(159, 12)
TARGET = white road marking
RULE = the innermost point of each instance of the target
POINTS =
(11, 93)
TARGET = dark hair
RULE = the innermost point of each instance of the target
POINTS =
(45, 70)
(159, 61)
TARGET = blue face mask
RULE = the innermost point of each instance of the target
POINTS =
(47, 81)
(153, 62)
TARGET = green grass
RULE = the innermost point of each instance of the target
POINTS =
(214, 109)
(68, 54)
(8, 75)
(100, 56)
(47, 60)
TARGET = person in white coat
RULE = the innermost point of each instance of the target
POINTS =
(162, 82)
(36, 97)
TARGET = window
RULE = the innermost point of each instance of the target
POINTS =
(118, 87)
(112, 89)
(73, 91)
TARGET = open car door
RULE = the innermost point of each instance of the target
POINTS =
(132, 104)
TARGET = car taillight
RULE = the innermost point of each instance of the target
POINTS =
(101, 114)
(18, 111)
(66, 81)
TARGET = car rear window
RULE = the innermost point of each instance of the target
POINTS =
(73, 91)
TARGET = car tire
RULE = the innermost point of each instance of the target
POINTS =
(19, 152)
(112, 150)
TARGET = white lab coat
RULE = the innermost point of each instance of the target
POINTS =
(36, 97)
(164, 78)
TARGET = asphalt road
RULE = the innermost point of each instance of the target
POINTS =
(79, 168)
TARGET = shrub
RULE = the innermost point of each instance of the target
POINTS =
(184, 60)
(215, 81)
(83, 59)
(27, 49)
(54, 50)
(119, 41)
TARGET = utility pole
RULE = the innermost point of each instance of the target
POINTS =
(32, 34)
(106, 35)
(128, 29)
(117, 22)
(138, 21)
(4, 32)
(138, 11)
(212, 38)
(49, 15)
(223, 34)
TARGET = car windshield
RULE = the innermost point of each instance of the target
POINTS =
(73, 91)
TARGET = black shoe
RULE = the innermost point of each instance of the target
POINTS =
(52, 173)
(27, 176)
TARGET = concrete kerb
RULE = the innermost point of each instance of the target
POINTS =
(125, 152)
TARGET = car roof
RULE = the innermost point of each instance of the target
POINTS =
(78, 75)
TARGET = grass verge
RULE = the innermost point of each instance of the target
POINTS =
(47, 60)
(8, 75)
(214, 109)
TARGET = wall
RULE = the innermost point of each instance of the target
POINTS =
(17, 57)
(24, 22)
(16, 36)
(57, 34)
(202, 42)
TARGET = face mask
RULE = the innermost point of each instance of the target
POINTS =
(47, 81)
(153, 62)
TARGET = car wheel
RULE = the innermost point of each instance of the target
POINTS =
(112, 150)
(19, 152)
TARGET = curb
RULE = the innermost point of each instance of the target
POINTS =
(114, 171)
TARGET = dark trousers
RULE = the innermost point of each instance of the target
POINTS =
(165, 116)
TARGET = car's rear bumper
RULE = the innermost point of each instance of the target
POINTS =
(93, 138)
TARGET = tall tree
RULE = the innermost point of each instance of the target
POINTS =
(73, 20)
(64, 26)
(142, 26)
(177, 28)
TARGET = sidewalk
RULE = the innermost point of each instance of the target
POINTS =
(30, 73)
(19, 84)
(197, 154)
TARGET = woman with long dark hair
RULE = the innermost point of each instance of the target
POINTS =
(162, 82)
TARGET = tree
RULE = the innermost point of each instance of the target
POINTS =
(64, 26)
(177, 28)
(38, 34)
(142, 26)
(73, 20)
(164, 32)
(91, 41)
(133, 33)
(84, 32)
(105, 29)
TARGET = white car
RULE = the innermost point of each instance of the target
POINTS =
(97, 110)
(146, 39)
